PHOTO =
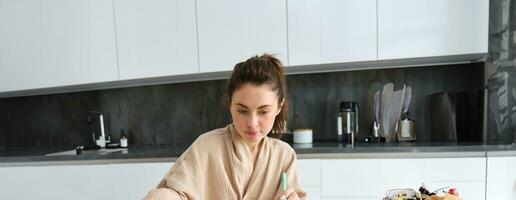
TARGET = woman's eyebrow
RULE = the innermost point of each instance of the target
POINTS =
(242, 105)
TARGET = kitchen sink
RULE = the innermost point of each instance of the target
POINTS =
(88, 152)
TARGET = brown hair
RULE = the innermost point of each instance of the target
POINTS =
(258, 70)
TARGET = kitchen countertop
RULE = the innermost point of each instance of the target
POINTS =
(317, 150)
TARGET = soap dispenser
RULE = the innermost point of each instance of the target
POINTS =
(123, 139)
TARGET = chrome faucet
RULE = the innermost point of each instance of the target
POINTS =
(97, 131)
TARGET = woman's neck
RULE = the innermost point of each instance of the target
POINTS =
(253, 148)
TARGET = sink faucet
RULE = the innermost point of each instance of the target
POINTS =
(101, 140)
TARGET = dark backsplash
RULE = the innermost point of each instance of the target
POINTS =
(173, 114)
(501, 71)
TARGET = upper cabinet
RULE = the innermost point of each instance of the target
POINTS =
(56, 43)
(156, 38)
(59, 43)
(331, 31)
(424, 28)
(231, 31)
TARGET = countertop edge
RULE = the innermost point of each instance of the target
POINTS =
(302, 156)
(400, 155)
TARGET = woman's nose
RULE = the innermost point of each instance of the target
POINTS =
(253, 120)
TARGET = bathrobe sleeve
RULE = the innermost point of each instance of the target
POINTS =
(184, 180)
(293, 180)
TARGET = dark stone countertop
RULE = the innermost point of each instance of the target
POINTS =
(310, 151)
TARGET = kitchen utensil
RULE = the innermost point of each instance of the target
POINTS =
(374, 105)
(406, 126)
(407, 100)
(397, 104)
(386, 109)
(405, 131)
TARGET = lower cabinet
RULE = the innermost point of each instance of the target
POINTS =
(372, 178)
(108, 181)
(501, 178)
(312, 193)
(368, 178)
(309, 171)
(468, 175)
(329, 179)
(102, 181)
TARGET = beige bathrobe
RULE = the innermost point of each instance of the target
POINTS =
(218, 166)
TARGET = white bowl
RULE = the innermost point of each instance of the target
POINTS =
(302, 136)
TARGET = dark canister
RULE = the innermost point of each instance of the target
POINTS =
(348, 124)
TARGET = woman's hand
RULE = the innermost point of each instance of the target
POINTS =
(290, 194)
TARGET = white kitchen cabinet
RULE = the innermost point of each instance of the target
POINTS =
(105, 181)
(362, 179)
(135, 180)
(231, 31)
(56, 43)
(468, 175)
(501, 178)
(424, 28)
(309, 171)
(156, 38)
(371, 178)
(368, 178)
(454, 169)
(101, 181)
(312, 193)
(332, 31)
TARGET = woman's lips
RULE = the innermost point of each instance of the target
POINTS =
(251, 133)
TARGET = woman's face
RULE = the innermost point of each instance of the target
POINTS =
(253, 109)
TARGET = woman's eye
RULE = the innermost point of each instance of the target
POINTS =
(242, 111)
(264, 112)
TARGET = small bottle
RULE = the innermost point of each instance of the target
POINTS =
(123, 139)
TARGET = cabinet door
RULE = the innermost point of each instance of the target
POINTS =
(368, 178)
(231, 31)
(312, 193)
(100, 181)
(135, 180)
(156, 38)
(468, 175)
(501, 178)
(423, 28)
(309, 171)
(331, 31)
(56, 43)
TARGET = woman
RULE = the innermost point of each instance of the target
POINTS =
(240, 161)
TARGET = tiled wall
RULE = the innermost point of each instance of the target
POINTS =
(178, 113)
(501, 70)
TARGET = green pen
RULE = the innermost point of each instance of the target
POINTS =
(284, 183)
